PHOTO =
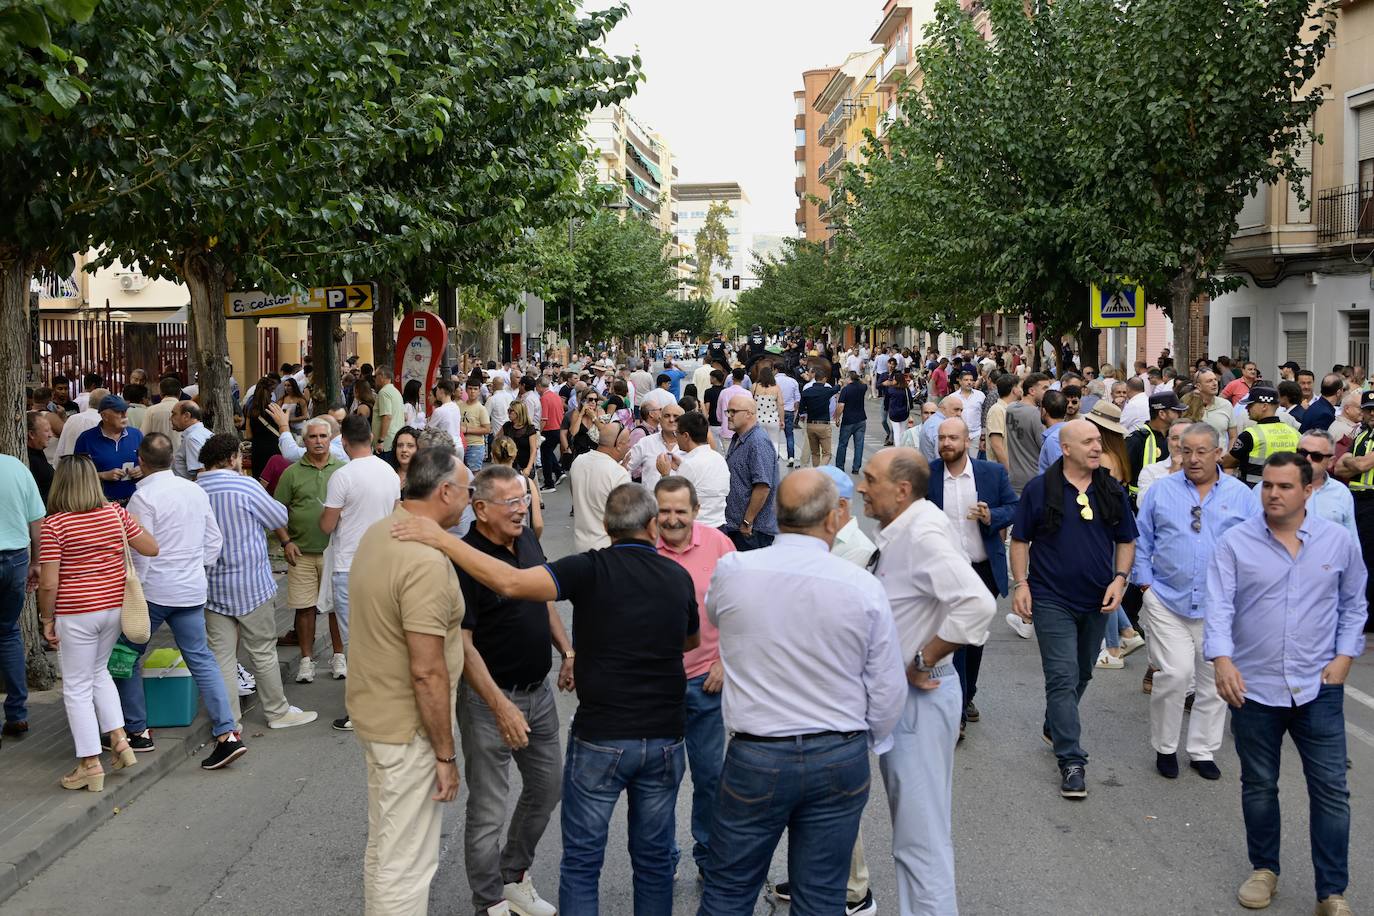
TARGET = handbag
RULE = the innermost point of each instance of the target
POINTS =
(133, 611)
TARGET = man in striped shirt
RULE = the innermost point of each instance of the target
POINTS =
(241, 601)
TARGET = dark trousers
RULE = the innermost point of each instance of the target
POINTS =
(1318, 732)
(1364, 526)
(753, 541)
(968, 660)
(1069, 641)
(548, 457)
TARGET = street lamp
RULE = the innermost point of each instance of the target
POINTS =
(572, 326)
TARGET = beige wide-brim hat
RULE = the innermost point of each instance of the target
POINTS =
(1108, 416)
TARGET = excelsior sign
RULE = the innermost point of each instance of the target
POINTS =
(352, 297)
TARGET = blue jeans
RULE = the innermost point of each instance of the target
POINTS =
(849, 431)
(14, 573)
(1116, 622)
(1318, 732)
(756, 541)
(1069, 642)
(705, 755)
(188, 631)
(815, 789)
(595, 774)
(789, 422)
(473, 456)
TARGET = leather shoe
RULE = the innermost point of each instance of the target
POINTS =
(1258, 889)
(1207, 769)
(1167, 764)
(15, 729)
(1335, 905)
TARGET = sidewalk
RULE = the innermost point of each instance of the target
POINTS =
(40, 820)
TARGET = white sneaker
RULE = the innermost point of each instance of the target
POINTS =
(1020, 627)
(293, 718)
(501, 909)
(1107, 660)
(1130, 643)
(305, 674)
(338, 666)
(524, 900)
(247, 683)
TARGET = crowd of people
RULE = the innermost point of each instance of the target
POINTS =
(730, 617)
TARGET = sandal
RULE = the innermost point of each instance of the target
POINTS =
(84, 778)
(122, 755)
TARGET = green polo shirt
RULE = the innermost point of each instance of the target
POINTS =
(389, 404)
(302, 489)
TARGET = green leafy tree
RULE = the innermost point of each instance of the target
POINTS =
(807, 287)
(712, 247)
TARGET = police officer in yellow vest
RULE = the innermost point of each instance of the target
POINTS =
(1268, 436)
(1357, 468)
(1150, 443)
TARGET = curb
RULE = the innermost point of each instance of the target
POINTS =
(23, 858)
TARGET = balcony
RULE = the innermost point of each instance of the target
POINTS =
(1346, 214)
(829, 165)
(889, 118)
(842, 115)
(799, 186)
(799, 218)
(52, 286)
(894, 65)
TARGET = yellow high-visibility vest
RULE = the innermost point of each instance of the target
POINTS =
(1268, 439)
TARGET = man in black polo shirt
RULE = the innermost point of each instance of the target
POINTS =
(815, 406)
(506, 706)
(634, 614)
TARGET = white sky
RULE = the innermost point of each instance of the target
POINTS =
(718, 82)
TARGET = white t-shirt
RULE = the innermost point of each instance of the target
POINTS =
(448, 417)
(498, 406)
(366, 490)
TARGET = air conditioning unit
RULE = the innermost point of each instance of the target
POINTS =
(132, 283)
(1313, 279)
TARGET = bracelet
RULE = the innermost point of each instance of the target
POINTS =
(1124, 577)
(42, 619)
(453, 759)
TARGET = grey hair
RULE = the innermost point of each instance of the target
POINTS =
(322, 420)
(433, 437)
(629, 509)
(429, 469)
(484, 484)
(1204, 429)
(914, 469)
(1322, 435)
(191, 409)
(809, 512)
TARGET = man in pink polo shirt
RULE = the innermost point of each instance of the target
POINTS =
(697, 548)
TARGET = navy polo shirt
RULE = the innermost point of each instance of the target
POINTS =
(1073, 566)
(108, 455)
(852, 397)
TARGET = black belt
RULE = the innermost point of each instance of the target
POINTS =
(1362, 494)
(772, 739)
(522, 688)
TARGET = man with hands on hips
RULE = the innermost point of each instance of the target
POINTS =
(1073, 543)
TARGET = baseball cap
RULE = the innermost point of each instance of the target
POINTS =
(1367, 400)
(1291, 365)
(843, 482)
(1263, 395)
(1164, 400)
(114, 402)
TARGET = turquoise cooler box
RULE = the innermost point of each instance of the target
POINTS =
(169, 690)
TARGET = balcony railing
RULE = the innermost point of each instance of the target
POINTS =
(894, 64)
(831, 164)
(52, 286)
(842, 115)
(889, 118)
(1346, 213)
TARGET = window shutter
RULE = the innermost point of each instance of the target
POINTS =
(1365, 132)
(1253, 213)
(1295, 214)
(1297, 346)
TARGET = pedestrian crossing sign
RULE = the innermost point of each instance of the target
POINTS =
(1124, 308)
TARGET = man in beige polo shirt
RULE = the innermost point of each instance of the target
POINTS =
(405, 658)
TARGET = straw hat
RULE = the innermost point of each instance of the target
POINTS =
(1108, 416)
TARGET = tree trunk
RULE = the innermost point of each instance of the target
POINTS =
(489, 345)
(207, 280)
(1182, 289)
(324, 350)
(384, 327)
(16, 272)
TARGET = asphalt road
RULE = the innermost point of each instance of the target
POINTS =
(282, 831)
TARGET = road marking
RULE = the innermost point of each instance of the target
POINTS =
(1359, 696)
(1356, 732)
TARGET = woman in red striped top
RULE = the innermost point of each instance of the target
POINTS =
(80, 591)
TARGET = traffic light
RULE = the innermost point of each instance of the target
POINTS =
(734, 282)
(724, 282)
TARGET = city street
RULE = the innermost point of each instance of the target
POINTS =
(282, 831)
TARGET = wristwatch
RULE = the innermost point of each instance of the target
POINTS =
(920, 663)
(569, 655)
(453, 759)
(1124, 576)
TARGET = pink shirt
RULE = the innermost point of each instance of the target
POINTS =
(724, 430)
(699, 559)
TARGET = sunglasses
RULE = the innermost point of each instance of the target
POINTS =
(1085, 509)
(1317, 457)
(1197, 519)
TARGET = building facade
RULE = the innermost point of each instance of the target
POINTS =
(695, 200)
(637, 160)
(1309, 272)
(810, 156)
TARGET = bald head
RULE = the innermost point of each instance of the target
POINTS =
(952, 405)
(741, 413)
(1081, 441)
(893, 479)
(807, 500)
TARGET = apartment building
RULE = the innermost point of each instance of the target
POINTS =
(850, 104)
(638, 160)
(810, 155)
(1310, 272)
(695, 200)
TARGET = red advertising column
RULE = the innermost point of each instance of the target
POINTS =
(419, 351)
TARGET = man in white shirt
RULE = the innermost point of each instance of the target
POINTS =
(498, 405)
(177, 514)
(850, 542)
(1136, 413)
(186, 419)
(701, 378)
(813, 679)
(643, 461)
(359, 494)
(972, 414)
(530, 398)
(702, 465)
(158, 418)
(938, 604)
(1152, 473)
(641, 383)
(593, 476)
(791, 398)
(78, 423)
(447, 415)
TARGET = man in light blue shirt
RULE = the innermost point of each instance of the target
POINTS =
(186, 419)
(1056, 408)
(1330, 498)
(791, 397)
(929, 440)
(21, 511)
(1182, 517)
(1286, 611)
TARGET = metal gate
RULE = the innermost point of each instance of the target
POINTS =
(113, 349)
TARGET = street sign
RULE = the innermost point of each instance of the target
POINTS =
(1124, 309)
(351, 297)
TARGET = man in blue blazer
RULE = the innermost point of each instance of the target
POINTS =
(978, 499)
